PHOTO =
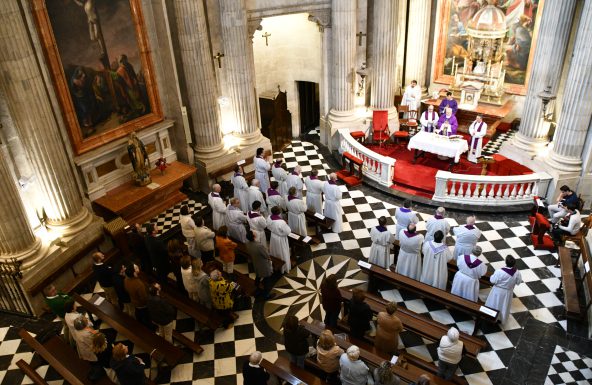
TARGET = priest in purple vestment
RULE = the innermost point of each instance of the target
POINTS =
(447, 124)
(448, 102)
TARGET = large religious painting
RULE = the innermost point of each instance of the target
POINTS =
(522, 20)
(98, 54)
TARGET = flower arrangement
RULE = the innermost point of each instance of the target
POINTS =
(161, 164)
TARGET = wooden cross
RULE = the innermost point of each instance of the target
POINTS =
(266, 35)
(218, 57)
(360, 35)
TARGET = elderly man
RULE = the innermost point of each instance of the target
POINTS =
(236, 221)
(436, 256)
(428, 119)
(274, 197)
(404, 217)
(280, 174)
(253, 374)
(409, 260)
(382, 241)
(353, 370)
(261, 169)
(477, 130)
(333, 202)
(449, 353)
(241, 188)
(467, 237)
(295, 180)
(314, 189)
(256, 195)
(296, 213)
(257, 223)
(218, 207)
(447, 123)
(466, 280)
(437, 222)
(278, 244)
(504, 280)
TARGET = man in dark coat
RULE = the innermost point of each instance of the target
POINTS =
(261, 263)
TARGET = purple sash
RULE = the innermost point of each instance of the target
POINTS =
(438, 216)
(277, 164)
(426, 115)
(271, 192)
(475, 140)
(215, 195)
(253, 214)
(409, 235)
(238, 174)
(331, 182)
(275, 217)
(313, 177)
(382, 229)
(511, 271)
(470, 227)
(294, 173)
(437, 249)
(404, 210)
(470, 264)
(291, 197)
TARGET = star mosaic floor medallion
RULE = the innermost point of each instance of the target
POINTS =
(298, 292)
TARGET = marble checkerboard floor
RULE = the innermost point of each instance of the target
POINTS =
(534, 346)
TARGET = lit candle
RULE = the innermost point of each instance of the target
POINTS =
(453, 61)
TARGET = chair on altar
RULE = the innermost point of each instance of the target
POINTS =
(404, 123)
(380, 129)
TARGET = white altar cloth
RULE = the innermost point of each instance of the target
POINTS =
(438, 144)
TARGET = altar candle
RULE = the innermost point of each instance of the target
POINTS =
(489, 68)
(456, 69)
(453, 61)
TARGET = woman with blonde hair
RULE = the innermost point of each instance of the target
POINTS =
(103, 349)
(202, 283)
(189, 279)
(328, 354)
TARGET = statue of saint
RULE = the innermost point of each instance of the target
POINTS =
(139, 159)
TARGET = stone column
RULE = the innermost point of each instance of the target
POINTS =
(549, 55)
(323, 20)
(200, 78)
(31, 110)
(576, 110)
(417, 42)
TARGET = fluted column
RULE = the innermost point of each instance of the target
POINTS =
(576, 110)
(417, 42)
(16, 237)
(549, 55)
(384, 52)
(200, 78)
(343, 75)
(31, 110)
(238, 59)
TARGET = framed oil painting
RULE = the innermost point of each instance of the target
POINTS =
(99, 59)
(522, 20)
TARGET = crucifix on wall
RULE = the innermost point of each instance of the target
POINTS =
(360, 35)
(266, 35)
(219, 57)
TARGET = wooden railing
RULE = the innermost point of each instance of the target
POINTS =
(376, 167)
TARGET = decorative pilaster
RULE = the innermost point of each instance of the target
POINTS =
(417, 42)
(576, 111)
(31, 109)
(323, 20)
(200, 78)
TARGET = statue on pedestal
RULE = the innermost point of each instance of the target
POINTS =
(139, 159)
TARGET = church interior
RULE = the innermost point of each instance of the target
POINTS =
(369, 132)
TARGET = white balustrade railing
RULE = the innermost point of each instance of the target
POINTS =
(485, 190)
(376, 167)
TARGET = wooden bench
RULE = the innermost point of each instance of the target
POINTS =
(63, 359)
(304, 375)
(136, 332)
(241, 249)
(573, 309)
(319, 223)
(420, 325)
(31, 373)
(87, 274)
(474, 309)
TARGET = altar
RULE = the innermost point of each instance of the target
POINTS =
(440, 145)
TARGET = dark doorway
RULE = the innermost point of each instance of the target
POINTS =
(308, 97)
(276, 120)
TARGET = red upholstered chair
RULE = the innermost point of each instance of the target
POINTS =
(380, 130)
(403, 132)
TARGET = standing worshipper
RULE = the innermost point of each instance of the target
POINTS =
(331, 300)
(382, 241)
(435, 223)
(428, 119)
(262, 265)
(138, 294)
(236, 220)
(295, 340)
(226, 248)
(161, 312)
(570, 224)
(388, 327)
(466, 279)
(449, 353)
(104, 275)
(359, 317)
(404, 217)
(296, 210)
(128, 368)
(447, 123)
(353, 370)
(477, 130)
(333, 202)
(467, 237)
(278, 243)
(218, 207)
(261, 169)
(504, 280)
(204, 240)
(449, 102)
(295, 180)
(314, 189)
(188, 229)
(436, 256)
(274, 197)
(412, 96)
(409, 260)
(257, 223)
(256, 195)
(241, 188)
(55, 301)
(157, 251)
(280, 175)
(253, 374)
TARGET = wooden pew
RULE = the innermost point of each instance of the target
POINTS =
(573, 309)
(420, 325)
(84, 276)
(305, 376)
(587, 280)
(323, 223)
(474, 309)
(241, 249)
(31, 373)
(63, 359)
(280, 373)
(139, 334)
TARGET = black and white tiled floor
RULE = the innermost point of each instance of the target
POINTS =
(169, 218)
(517, 353)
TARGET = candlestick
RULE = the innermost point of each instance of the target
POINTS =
(453, 61)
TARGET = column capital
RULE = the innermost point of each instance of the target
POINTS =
(322, 17)
(254, 25)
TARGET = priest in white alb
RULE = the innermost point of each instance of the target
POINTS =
(435, 223)
(477, 130)
(429, 119)
(296, 210)
(257, 223)
(404, 216)
(278, 242)
(274, 198)
(314, 189)
(280, 174)
(261, 169)
(467, 237)
(466, 279)
(409, 260)
(333, 202)
(412, 96)
(236, 220)
(382, 242)
(255, 194)
(218, 207)
(295, 180)
(436, 256)
(241, 188)
(504, 280)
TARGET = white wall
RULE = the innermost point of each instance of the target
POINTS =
(293, 54)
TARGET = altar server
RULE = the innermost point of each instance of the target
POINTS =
(449, 102)
(466, 280)
(278, 243)
(477, 130)
(467, 237)
(436, 256)
(218, 207)
(256, 195)
(241, 188)
(382, 241)
(404, 217)
(236, 220)
(504, 280)
(280, 174)
(409, 260)
(447, 123)
(274, 198)
(296, 210)
(412, 96)
(333, 202)
(435, 223)
(295, 180)
(257, 223)
(429, 119)
(261, 170)
(314, 189)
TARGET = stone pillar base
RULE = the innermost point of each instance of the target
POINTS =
(564, 163)
(73, 225)
(210, 152)
(343, 119)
